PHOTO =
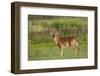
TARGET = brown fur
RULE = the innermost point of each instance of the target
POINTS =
(62, 42)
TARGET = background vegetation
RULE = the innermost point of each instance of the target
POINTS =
(41, 45)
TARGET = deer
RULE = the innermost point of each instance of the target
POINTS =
(62, 42)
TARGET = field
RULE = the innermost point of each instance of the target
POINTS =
(41, 45)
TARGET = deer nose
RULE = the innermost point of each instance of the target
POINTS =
(53, 36)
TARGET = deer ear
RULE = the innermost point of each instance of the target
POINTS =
(49, 30)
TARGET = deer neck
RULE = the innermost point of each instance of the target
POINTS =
(56, 39)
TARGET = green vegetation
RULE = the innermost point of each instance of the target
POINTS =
(41, 45)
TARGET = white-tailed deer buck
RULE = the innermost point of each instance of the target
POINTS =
(62, 42)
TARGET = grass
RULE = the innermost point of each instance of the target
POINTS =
(40, 43)
(49, 53)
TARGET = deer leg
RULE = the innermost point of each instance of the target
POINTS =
(61, 54)
(76, 49)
